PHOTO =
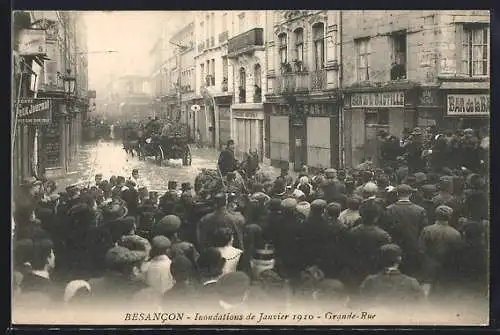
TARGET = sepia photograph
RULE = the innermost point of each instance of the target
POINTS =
(250, 168)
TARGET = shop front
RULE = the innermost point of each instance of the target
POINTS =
(465, 109)
(368, 112)
(33, 116)
(247, 128)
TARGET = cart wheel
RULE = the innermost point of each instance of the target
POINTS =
(160, 156)
(186, 159)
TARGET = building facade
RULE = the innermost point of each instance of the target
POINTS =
(302, 118)
(48, 123)
(184, 80)
(403, 69)
(247, 56)
(214, 86)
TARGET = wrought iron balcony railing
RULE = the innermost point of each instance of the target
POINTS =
(246, 42)
(300, 82)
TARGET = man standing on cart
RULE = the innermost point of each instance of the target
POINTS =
(227, 162)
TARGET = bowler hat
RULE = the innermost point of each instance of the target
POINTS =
(115, 210)
(160, 242)
(444, 211)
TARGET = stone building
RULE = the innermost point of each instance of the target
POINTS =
(403, 69)
(302, 107)
(213, 83)
(48, 125)
(247, 56)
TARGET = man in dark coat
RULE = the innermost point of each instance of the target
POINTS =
(414, 152)
(220, 217)
(227, 162)
(365, 239)
(404, 221)
(391, 288)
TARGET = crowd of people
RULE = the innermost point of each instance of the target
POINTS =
(376, 237)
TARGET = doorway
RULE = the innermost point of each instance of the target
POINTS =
(375, 121)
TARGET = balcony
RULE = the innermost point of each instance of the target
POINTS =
(223, 36)
(300, 82)
(247, 42)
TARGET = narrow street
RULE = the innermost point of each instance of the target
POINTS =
(109, 158)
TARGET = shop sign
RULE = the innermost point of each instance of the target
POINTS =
(32, 42)
(379, 99)
(247, 115)
(468, 105)
(34, 111)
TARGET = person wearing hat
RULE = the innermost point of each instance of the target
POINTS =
(220, 217)
(227, 162)
(285, 175)
(233, 290)
(303, 207)
(332, 187)
(123, 277)
(157, 274)
(446, 197)
(350, 215)
(470, 150)
(279, 189)
(466, 269)
(476, 202)
(390, 288)
(404, 221)
(437, 241)
(428, 192)
(389, 148)
(413, 152)
(365, 238)
(170, 226)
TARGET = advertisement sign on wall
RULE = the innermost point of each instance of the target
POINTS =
(468, 105)
(32, 42)
(379, 99)
(34, 111)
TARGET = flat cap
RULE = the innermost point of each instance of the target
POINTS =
(390, 252)
(370, 187)
(444, 210)
(420, 177)
(169, 223)
(122, 256)
(318, 204)
(405, 189)
(160, 242)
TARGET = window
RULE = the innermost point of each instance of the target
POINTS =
(212, 25)
(202, 29)
(475, 50)
(213, 73)
(243, 85)
(299, 45)
(283, 48)
(398, 66)
(257, 96)
(202, 74)
(224, 68)
(363, 65)
(377, 117)
(319, 45)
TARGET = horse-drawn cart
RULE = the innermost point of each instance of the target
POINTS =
(171, 144)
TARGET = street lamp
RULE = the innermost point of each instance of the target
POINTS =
(69, 90)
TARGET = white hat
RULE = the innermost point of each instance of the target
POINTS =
(73, 287)
(298, 194)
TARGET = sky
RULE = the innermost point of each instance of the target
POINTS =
(131, 34)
